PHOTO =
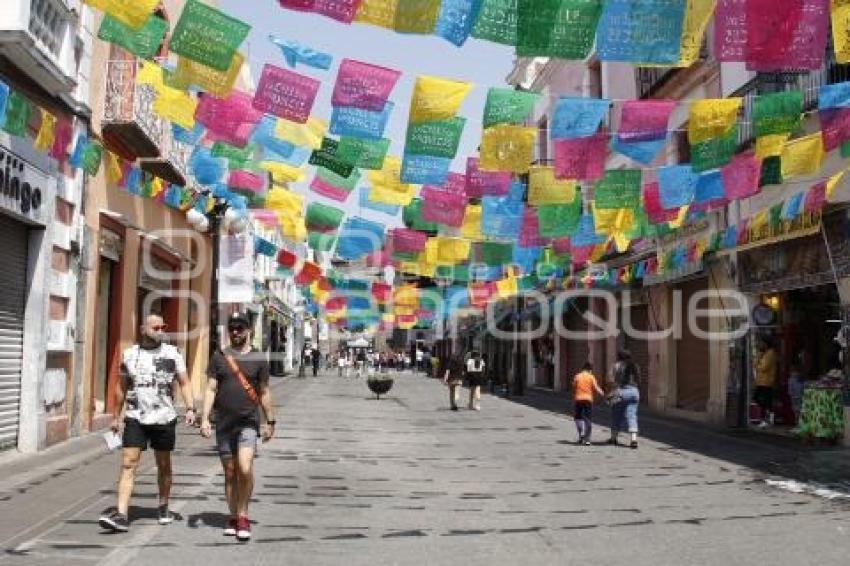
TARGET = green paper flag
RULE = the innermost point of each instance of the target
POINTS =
(845, 149)
(237, 158)
(208, 36)
(321, 242)
(346, 183)
(559, 220)
(619, 188)
(771, 171)
(18, 113)
(775, 215)
(362, 152)
(458, 273)
(777, 113)
(508, 106)
(326, 157)
(416, 16)
(715, 152)
(496, 253)
(439, 138)
(497, 22)
(412, 216)
(557, 28)
(144, 42)
(322, 218)
(92, 157)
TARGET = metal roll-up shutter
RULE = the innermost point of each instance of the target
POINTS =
(693, 371)
(12, 300)
(575, 351)
(640, 349)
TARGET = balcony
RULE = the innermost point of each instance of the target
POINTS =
(650, 80)
(38, 36)
(132, 129)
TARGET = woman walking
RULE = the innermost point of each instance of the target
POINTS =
(584, 386)
(624, 397)
(453, 377)
(475, 376)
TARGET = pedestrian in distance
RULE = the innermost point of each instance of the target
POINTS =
(765, 380)
(584, 386)
(340, 362)
(317, 360)
(475, 376)
(452, 369)
(144, 409)
(238, 386)
(624, 397)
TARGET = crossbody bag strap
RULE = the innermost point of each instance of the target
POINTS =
(246, 385)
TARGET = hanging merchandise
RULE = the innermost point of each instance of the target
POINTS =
(207, 35)
(286, 94)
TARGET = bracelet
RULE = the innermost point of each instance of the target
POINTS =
(271, 422)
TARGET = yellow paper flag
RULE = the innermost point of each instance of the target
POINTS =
(771, 146)
(436, 99)
(677, 222)
(471, 227)
(379, 13)
(150, 74)
(114, 173)
(157, 186)
(802, 156)
(46, 132)
(711, 118)
(176, 106)
(611, 220)
(544, 188)
(451, 251)
(832, 184)
(292, 227)
(132, 13)
(507, 148)
(841, 30)
(281, 172)
(697, 16)
(417, 16)
(307, 135)
(284, 202)
(215, 82)
(387, 187)
(507, 287)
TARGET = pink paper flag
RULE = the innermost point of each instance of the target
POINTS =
(267, 217)
(743, 226)
(730, 30)
(380, 258)
(815, 197)
(62, 136)
(408, 241)
(230, 119)
(339, 10)
(322, 187)
(286, 94)
(741, 176)
(835, 127)
(529, 233)
(485, 183)
(246, 181)
(645, 120)
(443, 207)
(561, 246)
(581, 158)
(455, 183)
(786, 34)
(300, 5)
(362, 85)
(652, 204)
(580, 254)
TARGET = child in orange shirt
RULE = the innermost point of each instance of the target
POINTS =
(584, 384)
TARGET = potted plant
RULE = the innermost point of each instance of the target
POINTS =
(380, 384)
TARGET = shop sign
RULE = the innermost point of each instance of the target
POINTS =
(22, 187)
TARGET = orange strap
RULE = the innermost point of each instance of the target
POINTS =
(246, 385)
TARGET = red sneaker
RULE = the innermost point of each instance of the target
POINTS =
(230, 528)
(243, 528)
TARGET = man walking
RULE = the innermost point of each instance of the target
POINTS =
(238, 386)
(144, 408)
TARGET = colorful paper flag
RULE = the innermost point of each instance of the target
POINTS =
(619, 188)
(436, 98)
(143, 42)
(802, 156)
(641, 31)
(565, 29)
(207, 35)
(364, 86)
(581, 158)
(507, 148)
(544, 188)
(741, 177)
(577, 117)
(286, 94)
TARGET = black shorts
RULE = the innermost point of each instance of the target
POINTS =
(476, 379)
(160, 437)
(583, 410)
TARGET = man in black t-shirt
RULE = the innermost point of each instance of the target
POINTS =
(238, 387)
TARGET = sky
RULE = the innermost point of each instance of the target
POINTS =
(483, 63)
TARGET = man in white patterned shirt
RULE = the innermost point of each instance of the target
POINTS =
(144, 407)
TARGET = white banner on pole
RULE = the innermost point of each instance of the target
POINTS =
(236, 268)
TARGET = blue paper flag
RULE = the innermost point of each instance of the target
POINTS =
(730, 238)
(586, 233)
(358, 302)
(577, 117)
(134, 181)
(188, 137)
(294, 53)
(526, 258)
(264, 137)
(359, 123)
(676, 186)
(641, 31)
(206, 169)
(390, 209)
(173, 196)
(456, 20)
(483, 272)
(264, 247)
(516, 192)
(4, 99)
(643, 152)
(358, 238)
(834, 96)
(792, 207)
(424, 169)
(709, 187)
(501, 217)
(76, 158)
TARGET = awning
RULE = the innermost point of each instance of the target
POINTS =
(810, 231)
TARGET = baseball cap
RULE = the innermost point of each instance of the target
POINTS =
(239, 318)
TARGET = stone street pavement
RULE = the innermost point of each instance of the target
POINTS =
(351, 480)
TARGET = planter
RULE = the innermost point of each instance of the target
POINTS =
(380, 385)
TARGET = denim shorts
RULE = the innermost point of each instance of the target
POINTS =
(625, 412)
(229, 441)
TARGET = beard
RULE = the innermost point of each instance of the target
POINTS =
(152, 341)
(238, 341)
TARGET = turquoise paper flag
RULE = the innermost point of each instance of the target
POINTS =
(294, 53)
(641, 31)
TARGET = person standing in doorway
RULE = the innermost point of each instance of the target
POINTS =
(584, 386)
(765, 380)
(144, 408)
(624, 397)
(475, 375)
(238, 386)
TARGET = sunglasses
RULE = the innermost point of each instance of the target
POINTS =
(238, 328)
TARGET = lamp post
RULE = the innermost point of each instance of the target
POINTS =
(215, 217)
